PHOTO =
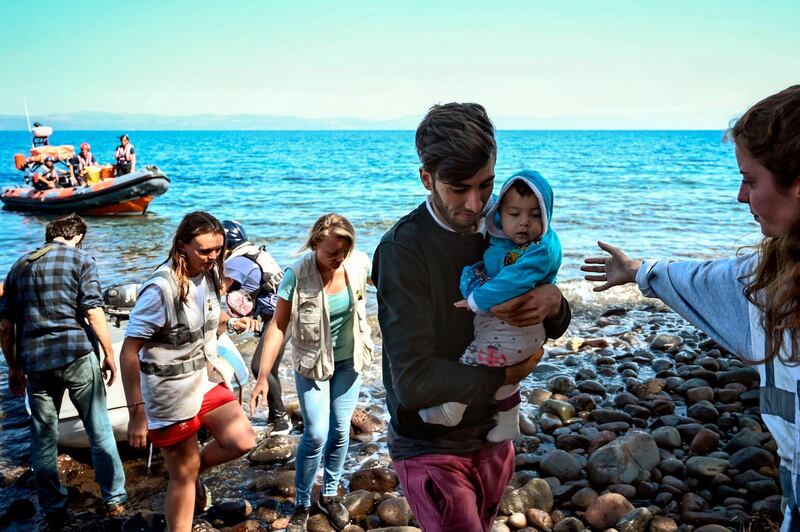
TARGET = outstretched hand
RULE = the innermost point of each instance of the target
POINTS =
(614, 270)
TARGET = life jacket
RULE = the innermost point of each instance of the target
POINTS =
(312, 344)
(271, 273)
(123, 153)
(84, 162)
(173, 361)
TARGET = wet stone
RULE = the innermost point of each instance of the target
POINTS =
(626, 490)
(662, 523)
(585, 374)
(636, 521)
(582, 402)
(705, 467)
(623, 460)
(570, 442)
(273, 449)
(666, 342)
(703, 411)
(741, 440)
(358, 503)
(561, 409)
(606, 415)
(625, 398)
(661, 364)
(561, 384)
(562, 465)
(379, 479)
(606, 510)
(569, 524)
(539, 518)
(701, 393)
(395, 512)
(593, 387)
(747, 376)
(752, 458)
(517, 520)
(600, 439)
(583, 498)
(536, 493)
(537, 396)
(231, 511)
(549, 422)
(704, 441)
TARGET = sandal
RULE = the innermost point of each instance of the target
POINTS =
(202, 498)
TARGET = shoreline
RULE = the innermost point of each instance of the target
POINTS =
(632, 415)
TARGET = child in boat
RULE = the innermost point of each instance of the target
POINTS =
(523, 252)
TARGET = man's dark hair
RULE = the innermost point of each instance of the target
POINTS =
(455, 140)
(66, 227)
(522, 188)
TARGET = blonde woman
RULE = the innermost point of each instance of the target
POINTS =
(323, 298)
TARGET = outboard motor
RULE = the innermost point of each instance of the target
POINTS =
(120, 300)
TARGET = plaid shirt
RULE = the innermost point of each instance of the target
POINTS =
(47, 300)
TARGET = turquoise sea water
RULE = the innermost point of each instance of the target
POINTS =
(653, 193)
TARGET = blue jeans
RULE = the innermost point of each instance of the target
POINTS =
(84, 382)
(327, 407)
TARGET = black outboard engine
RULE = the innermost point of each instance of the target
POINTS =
(120, 300)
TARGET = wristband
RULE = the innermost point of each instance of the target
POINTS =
(229, 325)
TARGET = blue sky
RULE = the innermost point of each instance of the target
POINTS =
(678, 64)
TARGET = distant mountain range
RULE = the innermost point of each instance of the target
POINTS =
(97, 121)
(131, 122)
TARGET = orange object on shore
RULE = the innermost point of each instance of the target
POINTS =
(107, 172)
(19, 161)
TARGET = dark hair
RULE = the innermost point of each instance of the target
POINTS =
(522, 188)
(66, 227)
(194, 224)
(455, 140)
(770, 133)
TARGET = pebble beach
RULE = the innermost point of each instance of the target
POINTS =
(634, 421)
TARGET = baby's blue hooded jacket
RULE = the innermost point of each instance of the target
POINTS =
(509, 270)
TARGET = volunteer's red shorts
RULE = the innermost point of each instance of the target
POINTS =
(182, 430)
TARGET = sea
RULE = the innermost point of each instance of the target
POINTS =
(654, 194)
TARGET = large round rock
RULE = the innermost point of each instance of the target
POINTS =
(622, 461)
(606, 510)
(562, 465)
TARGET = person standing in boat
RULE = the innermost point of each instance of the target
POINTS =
(170, 369)
(252, 278)
(86, 158)
(125, 156)
(50, 313)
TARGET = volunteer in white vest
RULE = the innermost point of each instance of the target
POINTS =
(169, 367)
(323, 298)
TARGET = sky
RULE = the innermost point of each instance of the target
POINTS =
(681, 64)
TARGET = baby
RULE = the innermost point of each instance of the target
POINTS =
(523, 252)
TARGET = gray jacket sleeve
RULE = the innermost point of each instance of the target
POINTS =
(709, 294)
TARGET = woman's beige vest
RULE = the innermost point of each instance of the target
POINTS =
(312, 347)
(177, 361)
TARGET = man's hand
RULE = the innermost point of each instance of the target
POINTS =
(520, 370)
(530, 308)
(137, 427)
(260, 391)
(614, 270)
(109, 369)
(17, 381)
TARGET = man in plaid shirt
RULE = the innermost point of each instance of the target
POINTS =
(50, 313)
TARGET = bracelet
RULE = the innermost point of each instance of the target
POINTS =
(135, 404)
(229, 325)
